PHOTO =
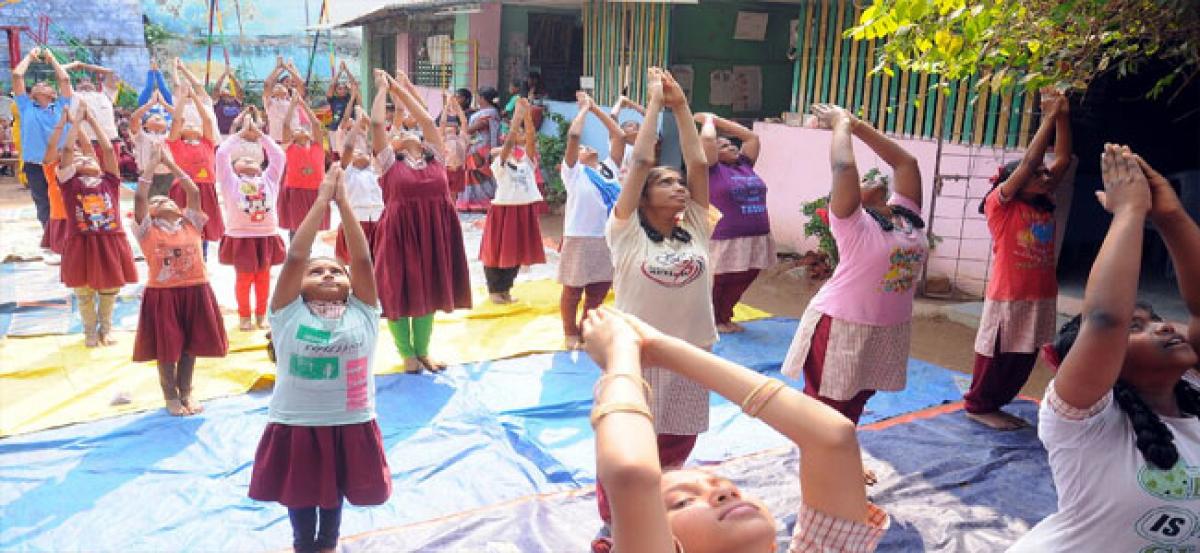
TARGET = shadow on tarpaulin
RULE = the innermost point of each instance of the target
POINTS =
(489, 456)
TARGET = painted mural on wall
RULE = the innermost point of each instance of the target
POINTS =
(251, 33)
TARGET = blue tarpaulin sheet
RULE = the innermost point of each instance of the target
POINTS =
(478, 436)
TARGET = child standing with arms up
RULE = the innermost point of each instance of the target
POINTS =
(512, 235)
(180, 319)
(193, 149)
(96, 258)
(322, 443)
(305, 149)
(251, 242)
(362, 186)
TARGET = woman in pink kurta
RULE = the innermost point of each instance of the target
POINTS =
(854, 337)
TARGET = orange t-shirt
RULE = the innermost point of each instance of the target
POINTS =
(57, 209)
(174, 259)
(1022, 250)
(197, 160)
(305, 166)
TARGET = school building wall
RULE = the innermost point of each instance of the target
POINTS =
(702, 36)
(110, 30)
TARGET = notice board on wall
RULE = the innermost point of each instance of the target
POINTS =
(750, 26)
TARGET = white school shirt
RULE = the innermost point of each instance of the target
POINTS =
(364, 193)
(101, 107)
(516, 179)
(585, 213)
(323, 367)
(1109, 498)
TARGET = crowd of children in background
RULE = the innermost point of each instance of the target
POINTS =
(679, 248)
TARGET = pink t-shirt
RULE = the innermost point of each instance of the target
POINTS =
(875, 279)
(250, 202)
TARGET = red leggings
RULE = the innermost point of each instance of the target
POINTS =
(262, 291)
(727, 290)
(568, 304)
(673, 450)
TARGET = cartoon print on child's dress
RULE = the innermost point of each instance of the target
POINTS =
(95, 212)
(254, 202)
(1035, 242)
(523, 174)
(673, 268)
(177, 262)
(902, 273)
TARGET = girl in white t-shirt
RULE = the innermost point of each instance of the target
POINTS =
(322, 443)
(1118, 420)
(585, 263)
(660, 265)
(362, 184)
(512, 234)
(696, 510)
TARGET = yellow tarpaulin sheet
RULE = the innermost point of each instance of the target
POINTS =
(54, 380)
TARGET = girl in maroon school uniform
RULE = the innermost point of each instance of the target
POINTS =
(1019, 311)
(180, 319)
(304, 145)
(854, 336)
(58, 225)
(97, 259)
(695, 510)
(251, 242)
(420, 261)
(322, 444)
(512, 234)
(362, 185)
(193, 149)
(741, 241)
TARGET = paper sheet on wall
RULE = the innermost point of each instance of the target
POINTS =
(439, 50)
(750, 26)
(747, 88)
(720, 87)
(685, 75)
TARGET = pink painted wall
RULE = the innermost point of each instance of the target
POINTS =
(402, 53)
(485, 30)
(794, 162)
(432, 97)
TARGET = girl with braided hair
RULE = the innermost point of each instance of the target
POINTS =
(1019, 311)
(1125, 470)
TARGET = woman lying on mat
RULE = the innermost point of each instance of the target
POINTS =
(693, 510)
(322, 443)
(1118, 420)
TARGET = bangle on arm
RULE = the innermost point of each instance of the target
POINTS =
(757, 399)
(611, 376)
(601, 411)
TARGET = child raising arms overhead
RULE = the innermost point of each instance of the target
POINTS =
(180, 319)
(1119, 422)
(96, 258)
(697, 511)
(322, 443)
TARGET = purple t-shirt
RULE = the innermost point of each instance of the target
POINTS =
(741, 197)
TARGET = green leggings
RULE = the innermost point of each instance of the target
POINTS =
(412, 335)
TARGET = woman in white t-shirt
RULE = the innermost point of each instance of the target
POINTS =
(660, 262)
(585, 263)
(1118, 420)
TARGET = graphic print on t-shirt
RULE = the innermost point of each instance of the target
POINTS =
(95, 213)
(902, 272)
(673, 269)
(178, 263)
(1035, 242)
(1169, 526)
(750, 194)
(254, 201)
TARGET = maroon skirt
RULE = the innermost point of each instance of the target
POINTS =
(342, 250)
(98, 261)
(55, 235)
(214, 229)
(293, 205)
(420, 260)
(175, 321)
(315, 466)
(512, 236)
(457, 179)
(251, 254)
